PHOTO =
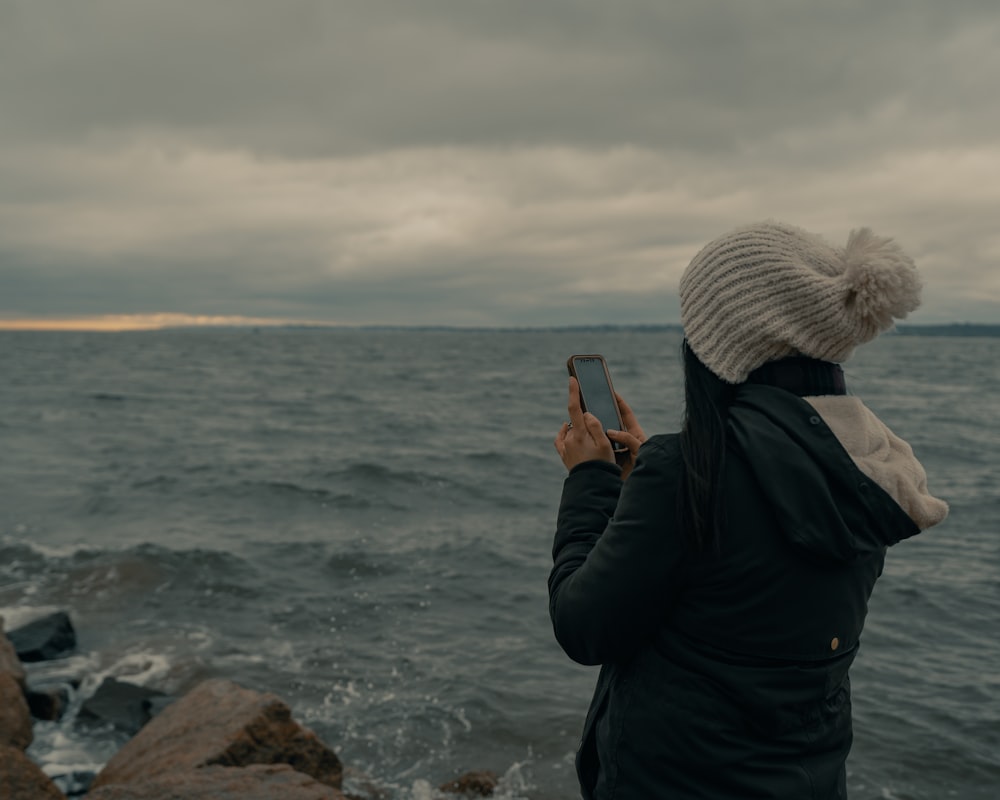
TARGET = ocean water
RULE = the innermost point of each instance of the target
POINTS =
(360, 521)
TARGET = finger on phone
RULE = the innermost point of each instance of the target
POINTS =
(627, 412)
(622, 437)
(629, 419)
(594, 427)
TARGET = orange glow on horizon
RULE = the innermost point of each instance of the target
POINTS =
(138, 322)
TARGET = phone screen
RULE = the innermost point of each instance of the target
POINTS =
(596, 392)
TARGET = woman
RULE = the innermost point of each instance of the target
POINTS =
(721, 577)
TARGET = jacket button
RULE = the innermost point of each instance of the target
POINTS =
(862, 487)
(814, 420)
(834, 643)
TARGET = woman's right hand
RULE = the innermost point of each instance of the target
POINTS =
(632, 437)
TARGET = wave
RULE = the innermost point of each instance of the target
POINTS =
(262, 490)
(288, 489)
(108, 397)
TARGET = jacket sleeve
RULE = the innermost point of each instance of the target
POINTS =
(617, 556)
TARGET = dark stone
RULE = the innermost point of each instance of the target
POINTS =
(44, 639)
(481, 783)
(124, 705)
(48, 702)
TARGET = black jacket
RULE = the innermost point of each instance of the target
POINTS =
(723, 675)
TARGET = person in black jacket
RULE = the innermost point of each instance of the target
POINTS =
(721, 576)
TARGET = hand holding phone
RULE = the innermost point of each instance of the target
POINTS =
(587, 438)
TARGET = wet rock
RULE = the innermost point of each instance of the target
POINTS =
(20, 777)
(44, 639)
(125, 705)
(480, 783)
(257, 782)
(221, 723)
(48, 702)
(15, 718)
(9, 662)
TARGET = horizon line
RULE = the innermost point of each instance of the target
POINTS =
(122, 323)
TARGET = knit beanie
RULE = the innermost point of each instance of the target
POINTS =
(771, 290)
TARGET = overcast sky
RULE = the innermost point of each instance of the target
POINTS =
(480, 162)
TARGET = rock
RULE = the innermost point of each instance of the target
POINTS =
(48, 702)
(9, 662)
(480, 783)
(44, 639)
(21, 778)
(124, 705)
(257, 782)
(221, 723)
(15, 718)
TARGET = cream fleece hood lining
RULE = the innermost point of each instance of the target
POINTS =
(881, 455)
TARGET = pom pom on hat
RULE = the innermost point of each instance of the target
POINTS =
(882, 280)
(771, 290)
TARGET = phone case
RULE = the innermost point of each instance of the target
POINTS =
(571, 368)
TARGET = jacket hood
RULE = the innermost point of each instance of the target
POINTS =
(824, 503)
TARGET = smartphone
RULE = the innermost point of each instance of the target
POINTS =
(597, 395)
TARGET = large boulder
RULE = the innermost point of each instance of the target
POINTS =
(15, 718)
(43, 639)
(9, 662)
(256, 782)
(221, 723)
(20, 777)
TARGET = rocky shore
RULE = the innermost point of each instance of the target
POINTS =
(218, 741)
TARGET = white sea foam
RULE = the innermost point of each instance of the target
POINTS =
(514, 784)
(60, 750)
(422, 790)
(54, 551)
(63, 670)
(139, 668)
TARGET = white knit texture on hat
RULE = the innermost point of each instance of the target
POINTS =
(771, 290)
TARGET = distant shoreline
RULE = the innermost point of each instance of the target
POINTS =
(951, 329)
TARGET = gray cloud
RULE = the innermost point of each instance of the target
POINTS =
(318, 78)
(472, 162)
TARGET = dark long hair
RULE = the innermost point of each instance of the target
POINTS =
(703, 450)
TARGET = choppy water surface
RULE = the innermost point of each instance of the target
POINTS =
(360, 522)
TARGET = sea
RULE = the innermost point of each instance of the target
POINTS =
(360, 521)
